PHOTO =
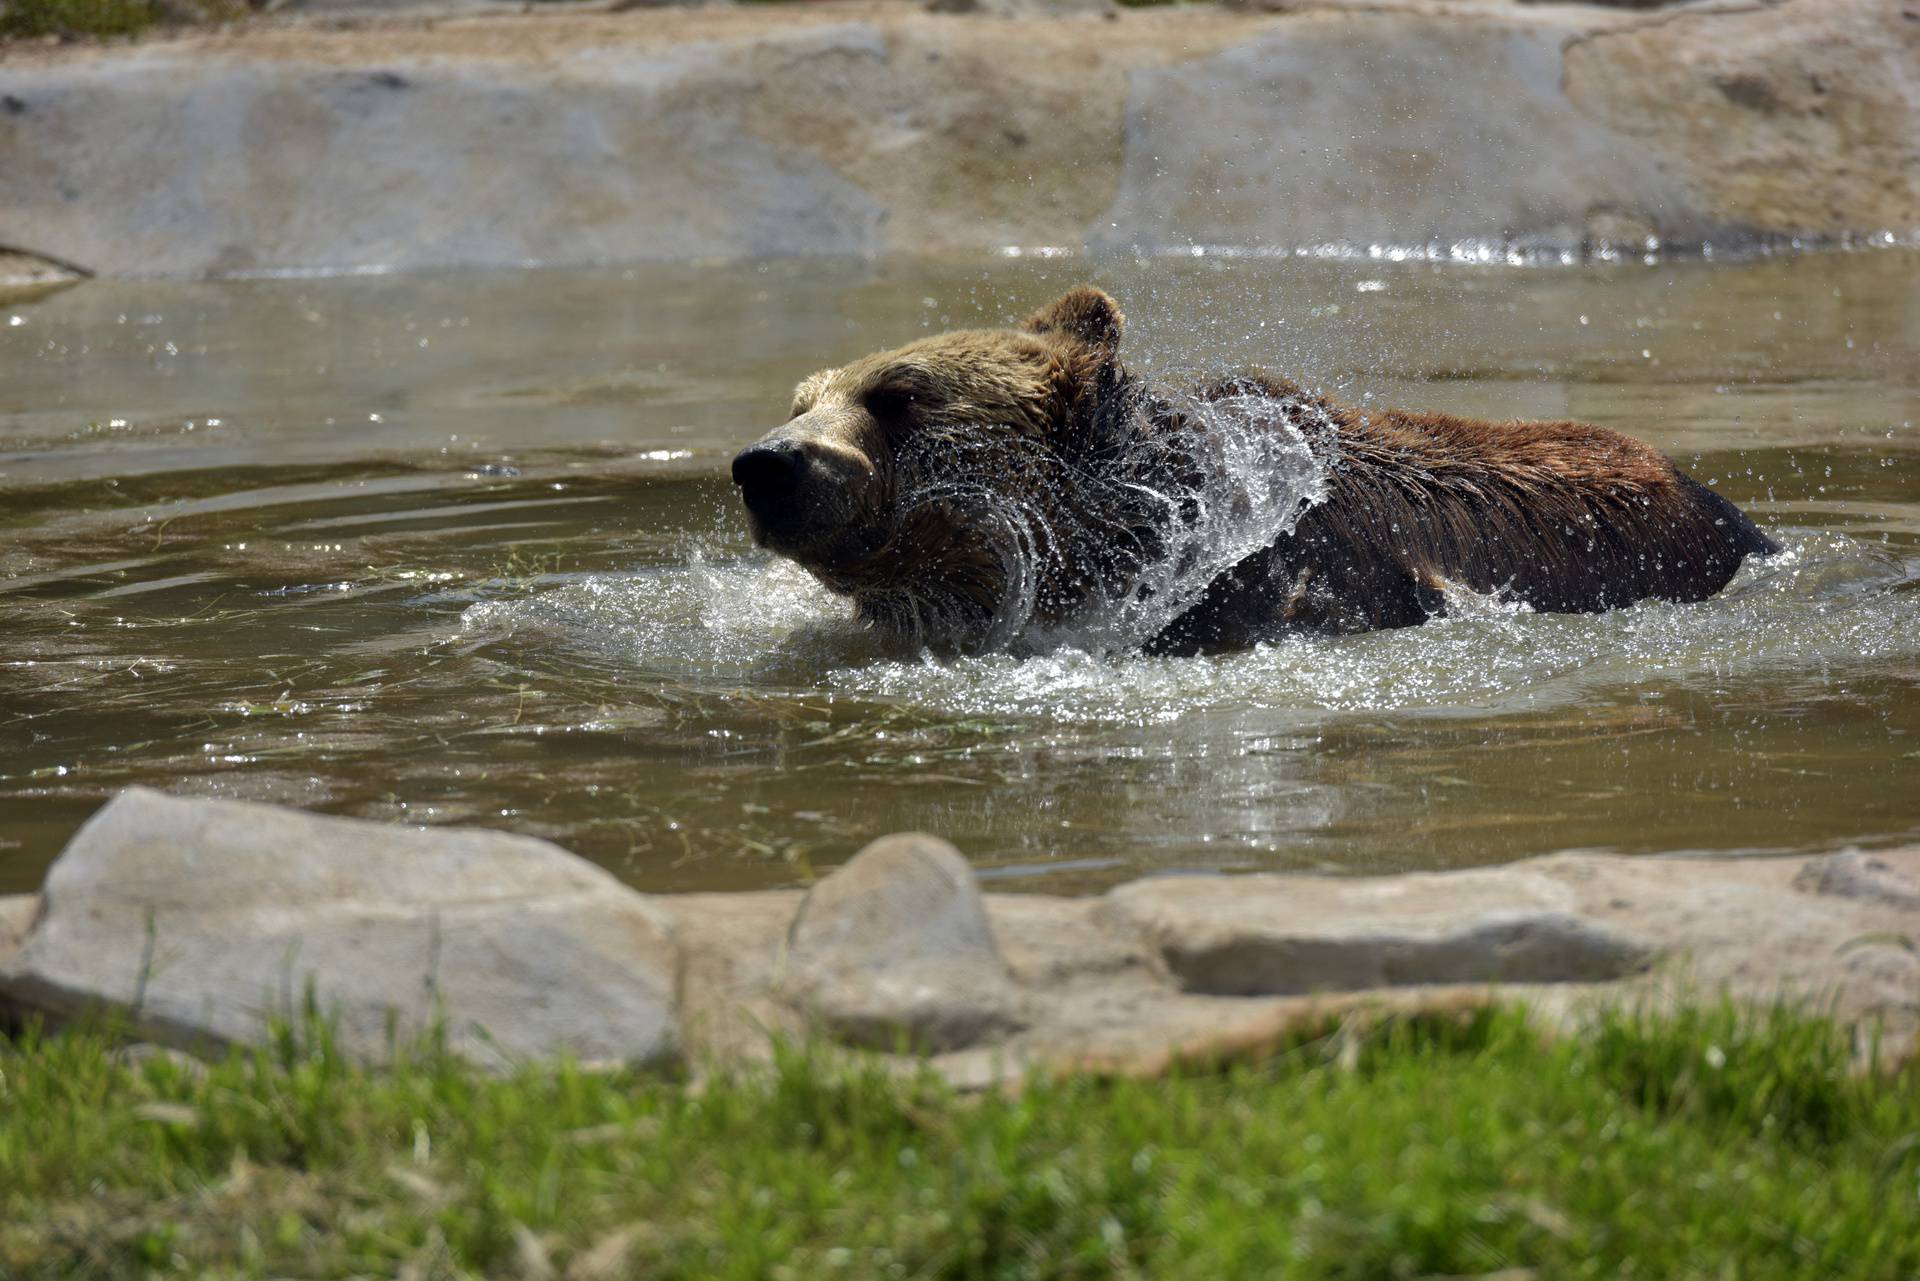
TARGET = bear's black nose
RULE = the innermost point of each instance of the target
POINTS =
(771, 469)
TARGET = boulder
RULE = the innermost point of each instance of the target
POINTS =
(895, 948)
(600, 156)
(1554, 127)
(1286, 935)
(201, 922)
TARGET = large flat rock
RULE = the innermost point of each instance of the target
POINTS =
(854, 127)
(201, 922)
(1286, 935)
(1565, 935)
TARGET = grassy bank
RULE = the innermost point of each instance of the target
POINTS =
(77, 19)
(1704, 1145)
(111, 19)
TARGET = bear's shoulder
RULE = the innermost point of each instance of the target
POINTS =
(1550, 451)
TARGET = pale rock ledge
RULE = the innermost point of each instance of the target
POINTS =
(490, 136)
(201, 921)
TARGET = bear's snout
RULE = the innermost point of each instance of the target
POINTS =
(769, 471)
(800, 493)
(775, 479)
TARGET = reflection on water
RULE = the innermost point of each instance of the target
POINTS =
(462, 550)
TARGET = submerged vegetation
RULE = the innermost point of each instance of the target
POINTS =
(1710, 1143)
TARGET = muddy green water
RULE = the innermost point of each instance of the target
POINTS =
(461, 550)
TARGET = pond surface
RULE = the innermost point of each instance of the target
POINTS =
(463, 550)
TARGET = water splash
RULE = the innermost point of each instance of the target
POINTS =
(1826, 599)
(1098, 542)
(707, 618)
(1241, 474)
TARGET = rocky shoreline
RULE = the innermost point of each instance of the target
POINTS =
(1453, 129)
(200, 922)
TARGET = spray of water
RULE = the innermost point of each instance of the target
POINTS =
(1099, 542)
(1826, 602)
(714, 621)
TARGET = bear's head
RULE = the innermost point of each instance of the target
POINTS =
(925, 482)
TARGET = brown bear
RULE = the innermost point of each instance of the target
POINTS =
(990, 489)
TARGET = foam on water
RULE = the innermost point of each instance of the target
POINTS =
(1824, 602)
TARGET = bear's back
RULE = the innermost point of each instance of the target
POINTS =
(1564, 516)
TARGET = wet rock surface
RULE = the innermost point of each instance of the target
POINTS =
(19, 269)
(201, 919)
(850, 127)
(25, 277)
(1403, 128)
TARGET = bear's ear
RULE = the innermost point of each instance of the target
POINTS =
(1085, 313)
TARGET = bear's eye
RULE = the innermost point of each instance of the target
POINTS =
(889, 403)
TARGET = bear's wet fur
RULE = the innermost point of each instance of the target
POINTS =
(937, 483)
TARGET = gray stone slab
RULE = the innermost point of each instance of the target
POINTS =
(1285, 935)
(202, 921)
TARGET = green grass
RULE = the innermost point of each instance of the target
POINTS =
(76, 18)
(109, 19)
(1711, 1144)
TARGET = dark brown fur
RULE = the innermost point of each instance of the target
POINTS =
(1567, 517)
(1564, 516)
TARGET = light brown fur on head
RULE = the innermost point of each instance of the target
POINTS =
(859, 421)
(1021, 379)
